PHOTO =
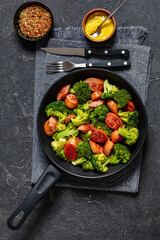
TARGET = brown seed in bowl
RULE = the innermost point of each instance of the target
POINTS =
(34, 21)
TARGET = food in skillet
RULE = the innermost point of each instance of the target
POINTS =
(92, 124)
(35, 21)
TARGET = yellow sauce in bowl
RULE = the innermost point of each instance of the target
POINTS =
(94, 21)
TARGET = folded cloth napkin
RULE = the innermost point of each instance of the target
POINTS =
(138, 75)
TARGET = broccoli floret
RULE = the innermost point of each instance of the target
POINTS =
(61, 127)
(58, 109)
(82, 117)
(79, 161)
(100, 112)
(59, 144)
(72, 91)
(99, 162)
(109, 90)
(130, 135)
(82, 91)
(84, 150)
(60, 154)
(86, 136)
(56, 106)
(70, 131)
(85, 106)
(61, 116)
(101, 125)
(122, 97)
(130, 118)
(87, 166)
(120, 154)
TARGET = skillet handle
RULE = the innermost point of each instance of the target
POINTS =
(48, 178)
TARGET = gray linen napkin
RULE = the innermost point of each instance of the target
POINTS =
(137, 75)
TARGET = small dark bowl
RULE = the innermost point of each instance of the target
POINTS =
(16, 21)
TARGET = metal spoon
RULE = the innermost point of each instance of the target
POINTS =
(98, 31)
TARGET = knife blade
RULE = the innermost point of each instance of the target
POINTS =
(88, 52)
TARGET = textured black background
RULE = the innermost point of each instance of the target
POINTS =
(73, 213)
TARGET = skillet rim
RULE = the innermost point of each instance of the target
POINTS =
(99, 175)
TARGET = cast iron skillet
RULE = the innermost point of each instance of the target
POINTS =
(54, 171)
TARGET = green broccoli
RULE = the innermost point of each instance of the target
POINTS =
(59, 110)
(122, 97)
(130, 135)
(60, 115)
(79, 161)
(58, 144)
(82, 117)
(56, 106)
(100, 125)
(70, 131)
(82, 91)
(109, 91)
(120, 154)
(85, 106)
(130, 118)
(84, 150)
(87, 166)
(72, 91)
(61, 127)
(86, 136)
(100, 112)
(99, 162)
(60, 154)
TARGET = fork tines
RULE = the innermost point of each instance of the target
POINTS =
(55, 67)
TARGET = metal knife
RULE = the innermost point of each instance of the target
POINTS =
(88, 52)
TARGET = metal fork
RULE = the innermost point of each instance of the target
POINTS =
(63, 66)
(53, 67)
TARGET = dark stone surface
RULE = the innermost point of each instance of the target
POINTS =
(73, 213)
